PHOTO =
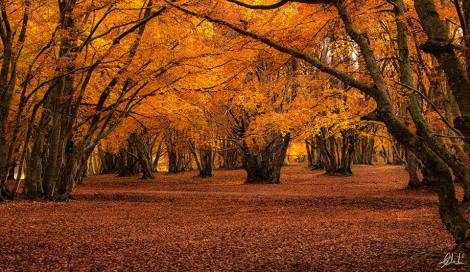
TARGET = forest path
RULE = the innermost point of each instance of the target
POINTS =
(310, 222)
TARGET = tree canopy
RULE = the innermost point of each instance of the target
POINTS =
(233, 84)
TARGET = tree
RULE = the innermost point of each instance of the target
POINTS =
(57, 162)
(11, 54)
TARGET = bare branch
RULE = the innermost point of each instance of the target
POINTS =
(271, 6)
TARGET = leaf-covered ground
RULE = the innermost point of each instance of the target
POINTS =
(311, 222)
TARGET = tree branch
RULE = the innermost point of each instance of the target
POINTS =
(432, 105)
(369, 89)
(271, 6)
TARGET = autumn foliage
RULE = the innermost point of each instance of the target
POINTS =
(138, 87)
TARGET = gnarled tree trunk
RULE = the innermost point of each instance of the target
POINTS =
(204, 159)
(127, 165)
(337, 154)
(141, 148)
(179, 157)
(263, 165)
(412, 169)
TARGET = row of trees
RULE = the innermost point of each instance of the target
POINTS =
(379, 55)
(71, 72)
(99, 74)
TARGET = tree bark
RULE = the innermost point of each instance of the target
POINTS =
(8, 77)
(438, 44)
(230, 154)
(203, 157)
(412, 169)
(127, 165)
(108, 161)
(140, 146)
(264, 165)
(406, 78)
(179, 157)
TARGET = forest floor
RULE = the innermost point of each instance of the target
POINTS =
(311, 222)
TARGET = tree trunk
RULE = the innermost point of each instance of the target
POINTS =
(179, 157)
(48, 154)
(364, 150)
(438, 45)
(348, 143)
(337, 154)
(126, 164)
(309, 148)
(313, 154)
(264, 165)
(412, 169)
(440, 177)
(172, 161)
(205, 156)
(230, 154)
(107, 161)
(140, 146)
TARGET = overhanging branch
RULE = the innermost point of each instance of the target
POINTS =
(271, 6)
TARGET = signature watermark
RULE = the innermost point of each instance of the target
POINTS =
(452, 258)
